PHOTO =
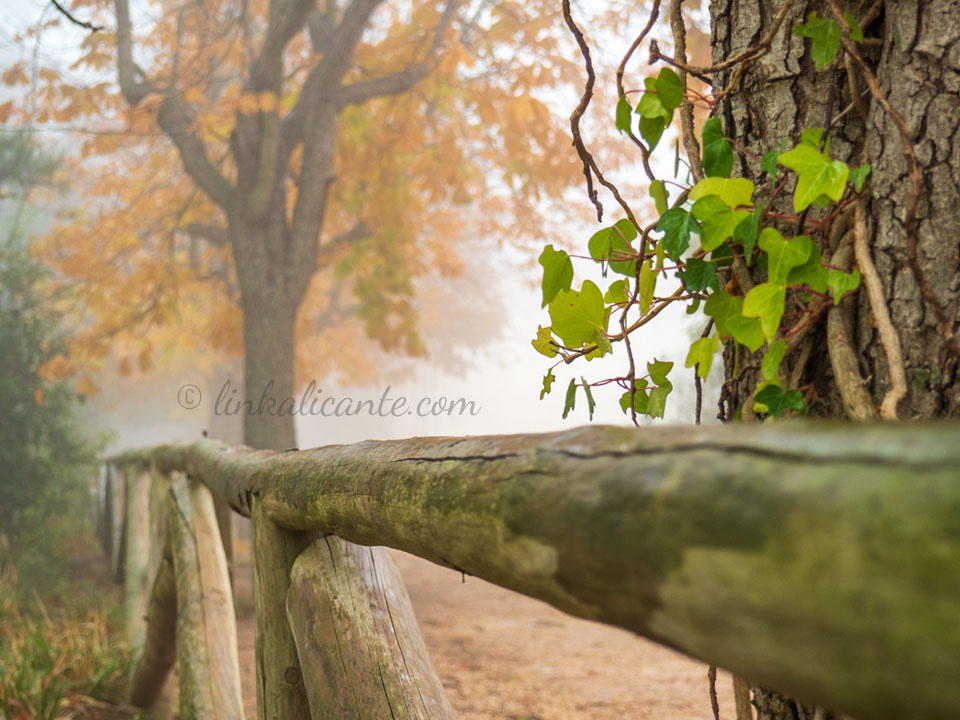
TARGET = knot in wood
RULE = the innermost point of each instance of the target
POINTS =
(292, 675)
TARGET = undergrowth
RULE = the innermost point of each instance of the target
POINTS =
(62, 652)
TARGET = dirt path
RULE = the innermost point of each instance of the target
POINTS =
(503, 656)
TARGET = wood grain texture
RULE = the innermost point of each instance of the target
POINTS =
(815, 558)
(206, 625)
(359, 643)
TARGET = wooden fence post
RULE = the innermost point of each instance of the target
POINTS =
(359, 642)
(108, 514)
(280, 690)
(206, 624)
(137, 576)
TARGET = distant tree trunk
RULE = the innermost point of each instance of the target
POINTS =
(912, 48)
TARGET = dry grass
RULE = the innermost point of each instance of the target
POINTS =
(61, 650)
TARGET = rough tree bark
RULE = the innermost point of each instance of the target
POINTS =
(913, 48)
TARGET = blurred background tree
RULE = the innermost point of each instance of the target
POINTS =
(47, 459)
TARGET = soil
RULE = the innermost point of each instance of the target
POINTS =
(504, 656)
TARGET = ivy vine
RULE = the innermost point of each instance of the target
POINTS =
(703, 227)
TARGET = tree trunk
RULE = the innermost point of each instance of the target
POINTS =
(916, 59)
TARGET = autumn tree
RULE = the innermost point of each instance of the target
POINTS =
(248, 165)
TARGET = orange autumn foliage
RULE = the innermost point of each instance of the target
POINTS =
(471, 153)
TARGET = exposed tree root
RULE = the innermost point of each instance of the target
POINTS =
(878, 303)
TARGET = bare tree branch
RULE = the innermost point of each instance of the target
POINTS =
(400, 82)
(213, 234)
(66, 13)
(171, 116)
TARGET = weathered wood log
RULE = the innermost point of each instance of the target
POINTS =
(362, 652)
(819, 559)
(280, 690)
(137, 577)
(206, 625)
(160, 645)
(119, 560)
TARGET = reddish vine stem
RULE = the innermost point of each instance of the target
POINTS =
(654, 14)
(589, 164)
(587, 349)
(916, 181)
(644, 150)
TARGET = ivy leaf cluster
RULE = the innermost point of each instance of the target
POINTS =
(696, 237)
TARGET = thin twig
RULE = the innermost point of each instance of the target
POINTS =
(589, 164)
(66, 13)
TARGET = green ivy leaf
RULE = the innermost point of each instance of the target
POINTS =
(624, 111)
(746, 232)
(645, 286)
(859, 176)
(543, 343)
(856, 32)
(651, 105)
(766, 302)
(727, 312)
(657, 400)
(639, 398)
(777, 401)
(817, 175)
(840, 282)
(617, 293)
(658, 191)
(625, 229)
(576, 316)
(651, 130)
(699, 275)
(811, 272)
(782, 255)
(746, 330)
(825, 38)
(658, 370)
(604, 347)
(772, 359)
(670, 89)
(547, 383)
(769, 163)
(811, 137)
(654, 115)
(722, 256)
(590, 403)
(733, 191)
(557, 273)
(720, 306)
(718, 220)
(701, 353)
(613, 242)
(571, 400)
(677, 224)
(717, 153)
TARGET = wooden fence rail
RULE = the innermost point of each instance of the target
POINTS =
(819, 559)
